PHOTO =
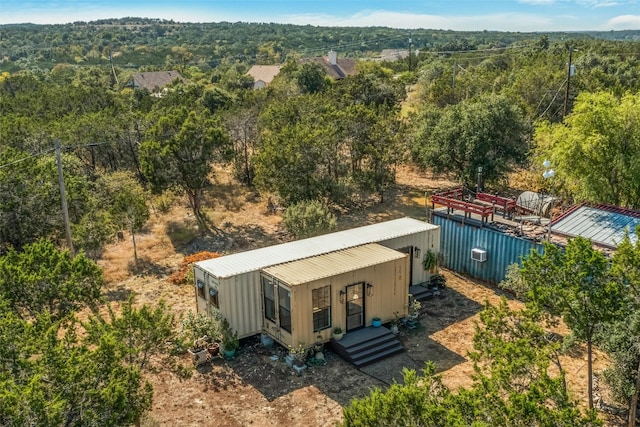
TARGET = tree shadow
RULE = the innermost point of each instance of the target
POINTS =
(143, 266)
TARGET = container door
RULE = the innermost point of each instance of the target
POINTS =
(355, 306)
(410, 251)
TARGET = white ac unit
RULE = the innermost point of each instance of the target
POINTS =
(479, 255)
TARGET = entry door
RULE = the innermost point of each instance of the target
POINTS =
(355, 306)
(409, 250)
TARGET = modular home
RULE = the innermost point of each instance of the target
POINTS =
(233, 283)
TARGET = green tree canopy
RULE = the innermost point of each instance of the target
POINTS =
(597, 152)
(487, 132)
(41, 278)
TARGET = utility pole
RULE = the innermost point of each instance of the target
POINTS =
(65, 211)
(455, 67)
(566, 93)
(409, 50)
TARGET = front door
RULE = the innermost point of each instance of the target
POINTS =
(355, 306)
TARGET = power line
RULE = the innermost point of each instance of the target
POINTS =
(31, 156)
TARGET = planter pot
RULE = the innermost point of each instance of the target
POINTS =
(299, 369)
(376, 322)
(338, 337)
(394, 329)
(229, 354)
(266, 340)
(288, 359)
(213, 349)
(199, 355)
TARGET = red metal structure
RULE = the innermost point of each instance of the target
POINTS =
(453, 201)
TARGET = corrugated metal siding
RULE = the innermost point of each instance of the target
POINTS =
(429, 240)
(458, 240)
(334, 263)
(231, 265)
(600, 226)
(390, 291)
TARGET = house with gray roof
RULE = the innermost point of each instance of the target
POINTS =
(154, 81)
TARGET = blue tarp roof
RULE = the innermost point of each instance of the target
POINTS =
(603, 225)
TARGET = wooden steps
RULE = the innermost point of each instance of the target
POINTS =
(366, 346)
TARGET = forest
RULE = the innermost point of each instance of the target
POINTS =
(315, 146)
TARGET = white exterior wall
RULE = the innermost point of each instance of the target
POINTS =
(428, 240)
(239, 298)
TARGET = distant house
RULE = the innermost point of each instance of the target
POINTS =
(393, 54)
(336, 68)
(154, 81)
(263, 75)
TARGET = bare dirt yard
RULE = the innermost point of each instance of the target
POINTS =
(257, 387)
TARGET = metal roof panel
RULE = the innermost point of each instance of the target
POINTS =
(603, 227)
(332, 264)
(258, 259)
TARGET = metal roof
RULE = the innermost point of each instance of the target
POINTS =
(332, 264)
(603, 225)
(258, 259)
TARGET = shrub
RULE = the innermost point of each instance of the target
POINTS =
(308, 218)
(182, 275)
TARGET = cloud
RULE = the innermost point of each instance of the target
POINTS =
(537, 2)
(498, 22)
(623, 22)
(597, 3)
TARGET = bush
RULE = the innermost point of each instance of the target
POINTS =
(308, 218)
(185, 273)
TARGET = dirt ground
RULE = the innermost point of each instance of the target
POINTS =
(257, 387)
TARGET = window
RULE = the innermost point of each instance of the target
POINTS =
(213, 297)
(200, 285)
(284, 304)
(269, 299)
(321, 299)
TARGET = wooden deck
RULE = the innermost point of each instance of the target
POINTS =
(367, 345)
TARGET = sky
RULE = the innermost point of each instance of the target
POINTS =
(460, 15)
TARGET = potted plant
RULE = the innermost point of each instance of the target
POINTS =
(414, 311)
(298, 355)
(395, 323)
(376, 322)
(430, 261)
(200, 333)
(337, 333)
(230, 342)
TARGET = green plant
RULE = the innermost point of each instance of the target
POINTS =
(337, 330)
(308, 218)
(200, 328)
(396, 318)
(430, 260)
(437, 281)
(414, 306)
(229, 336)
(299, 353)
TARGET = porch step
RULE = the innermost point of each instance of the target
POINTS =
(420, 292)
(367, 346)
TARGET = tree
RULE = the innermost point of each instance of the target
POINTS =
(311, 78)
(373, 135)
(487, 132)
(574, 283)
(299, 156)
(42, 278)
(61, 381)
(622, 339)
(179, 151)
(512, 384)
(127, 203)
(597, 151)
(141, 332)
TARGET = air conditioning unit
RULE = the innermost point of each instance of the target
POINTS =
(479, 255)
